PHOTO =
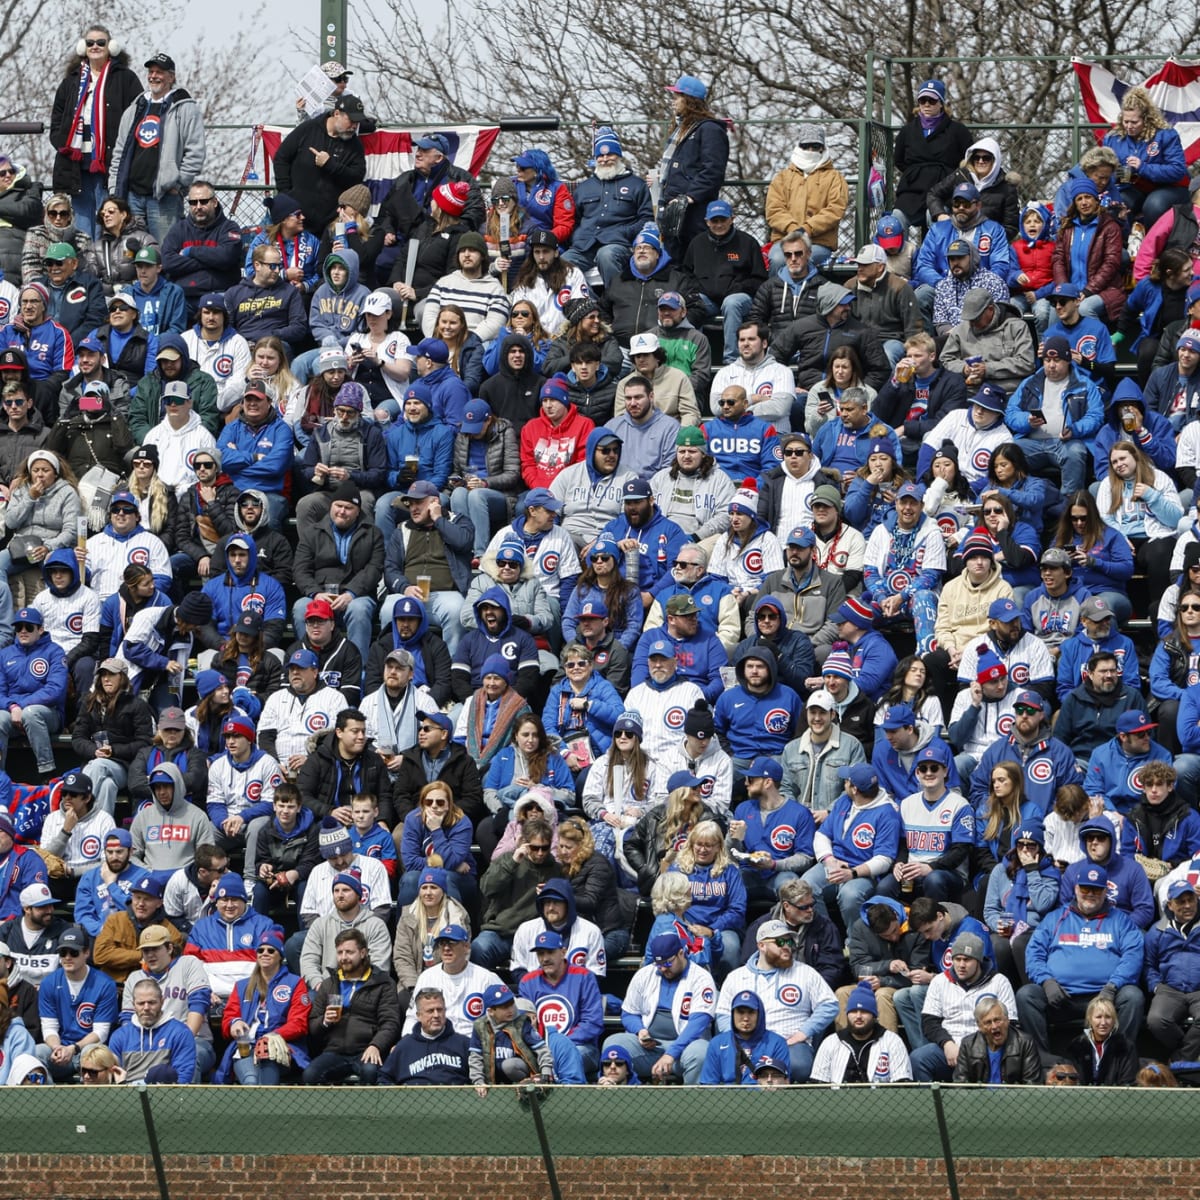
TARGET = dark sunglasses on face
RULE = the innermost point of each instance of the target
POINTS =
(123, 510)
(91, 43)
(58, 212)
(1026, 710)
(1189, 608)
(204, 466)
(795, 452)
(928, 769)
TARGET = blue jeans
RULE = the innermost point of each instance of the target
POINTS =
(849, 896)
(108, 777)
(490, 949)
(358, 619)
(909, 1001)
(734, 309)
(1147, 208)
(487, 509)
(443, 609)
(332, 1068)
(249, 1072)
(609, 260)
(40, 724)
(1070, 457)
(92, 190)
(158, 215)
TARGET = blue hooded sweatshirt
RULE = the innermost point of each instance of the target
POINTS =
(731, 1058)
(255, 590)
(1128, 887)
(1156, 439)
(748, 724)
(518, 647)
(627, 625)
(334, 313)
(659, 543)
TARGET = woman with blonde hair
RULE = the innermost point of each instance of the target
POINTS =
(437, 833)
(718, 907)
(269, 368)
(1153, 169)
(650, 847)
(156, 501)
(1142, 503)
(1104, 1056)
(594, 883)
(99, 1065)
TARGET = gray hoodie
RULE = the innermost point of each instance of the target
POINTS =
(165, 840)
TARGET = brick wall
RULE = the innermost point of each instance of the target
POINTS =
(51, 1177)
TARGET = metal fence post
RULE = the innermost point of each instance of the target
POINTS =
(152, 1137)
(529, 1094)
(944, 1134)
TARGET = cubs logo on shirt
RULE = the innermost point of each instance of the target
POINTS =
(149, 131)
(473, 1005)
(674, 717)
(1041, 770)
(984, 244)
(85, 1014)
(282, 993)
(315, 722)
(980, 459)
(39, 668)
(548, 563)
(246, 939)
(254, 602)
(77, 295)
(139, 556)
(1019, 674)
(90, 846)
(777, 720)
(254, 791)
(789, 994)
(1133, 781)
(1005, 724)
(752, 560)
(555, 1012)
(578, 957)
(783, 838)
(222, 367)
(863, 836)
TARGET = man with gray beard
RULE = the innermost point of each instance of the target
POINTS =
(612, 204)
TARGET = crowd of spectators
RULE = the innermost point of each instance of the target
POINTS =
(422, 603)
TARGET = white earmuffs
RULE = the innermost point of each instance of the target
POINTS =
(114, 47)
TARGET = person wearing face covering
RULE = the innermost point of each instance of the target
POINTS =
(984, 167)
(809, 194)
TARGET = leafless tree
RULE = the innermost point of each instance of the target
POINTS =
(224, 73)
(769, 64)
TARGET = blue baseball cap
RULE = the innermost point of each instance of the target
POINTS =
(149, 885)
(1003, 610)
(910, 491)
(660, 648)
(764, 767)
(476, 416)
(860, 775)
(497, 995)
(548, 940)
(1093, 876)
(664, 947)
(452, 933)
(718, 208)
(933, 754)
(682, 779)
(304, 658)
(802, 535)
(543, 498)
(898, 716)
(746, 999)
(1181, 887)
(688, 85)
(28, 616)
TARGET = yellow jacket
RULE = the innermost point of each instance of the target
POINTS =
(815, 203)
(963, 609)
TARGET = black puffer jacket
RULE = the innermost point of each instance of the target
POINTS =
(130, 728)
(122, 87)
(20, 211)
(327, 781)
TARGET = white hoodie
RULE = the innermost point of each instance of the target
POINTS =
(176, 448)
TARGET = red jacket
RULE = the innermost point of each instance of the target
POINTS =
(1104, 270)
(546, 449)
(1035, 259)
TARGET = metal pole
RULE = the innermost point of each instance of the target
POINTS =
(535, 1106)
(944, 1134)
(152, 1135)
(332, 40)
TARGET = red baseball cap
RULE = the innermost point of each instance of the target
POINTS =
(319, 608)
